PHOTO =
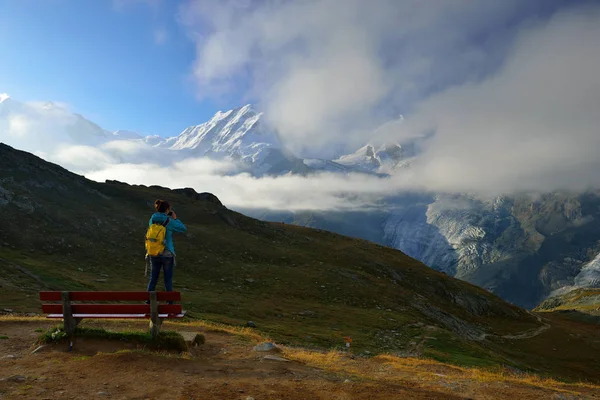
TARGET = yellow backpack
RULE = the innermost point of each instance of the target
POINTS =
(155, 238)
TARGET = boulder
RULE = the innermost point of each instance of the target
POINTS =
(266, 346)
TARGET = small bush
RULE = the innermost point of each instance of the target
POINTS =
(53, 335)
(167, 340)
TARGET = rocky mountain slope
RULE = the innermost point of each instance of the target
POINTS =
(518, 247)
(382, 159)
(240, 135)
(299, 285)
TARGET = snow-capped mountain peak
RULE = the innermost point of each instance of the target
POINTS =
(236, 132)
(364, 158)
(123, 134)
(374, 158)
(4, 96)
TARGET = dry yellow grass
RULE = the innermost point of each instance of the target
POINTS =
(22, 318)
(424, 372)
(245, 332)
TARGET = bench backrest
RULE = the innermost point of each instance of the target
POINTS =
(110, 310)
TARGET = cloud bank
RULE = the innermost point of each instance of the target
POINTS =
(535, 125)
(324, 191)
(509, 90)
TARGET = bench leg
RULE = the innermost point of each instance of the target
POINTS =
(155, 328)
(155, 322)
(70, 323)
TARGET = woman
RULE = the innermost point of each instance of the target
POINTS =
(165, 216)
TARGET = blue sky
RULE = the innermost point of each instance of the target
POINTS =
(105, 59)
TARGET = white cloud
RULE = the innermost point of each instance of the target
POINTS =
(204, 166)
(39, 126)
(325, 191)
(126, 147)
(81, 158)
(18, 125)
(535, 125)
(289, 192)
(326, 71)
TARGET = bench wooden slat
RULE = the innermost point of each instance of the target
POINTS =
(111, 296)
(118, 316)
(50, 296)
(112, 308)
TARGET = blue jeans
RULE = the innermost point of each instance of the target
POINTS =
(166, 263)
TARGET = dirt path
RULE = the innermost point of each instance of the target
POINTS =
(523, 335)
(528, 334)
(532, 333)
(23, 271)
(226, 367)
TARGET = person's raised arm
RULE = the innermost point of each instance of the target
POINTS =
(176, 225)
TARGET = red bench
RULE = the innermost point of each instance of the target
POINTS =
(72, 307)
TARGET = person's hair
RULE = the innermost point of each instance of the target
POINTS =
(161, 205)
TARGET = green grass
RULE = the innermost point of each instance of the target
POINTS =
(167, 340)
(3, 337)
(449, 349)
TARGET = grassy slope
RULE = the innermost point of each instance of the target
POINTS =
(585, 300)
(300, 286)
(580, 305)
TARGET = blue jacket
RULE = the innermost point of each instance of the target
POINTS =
(175, 225)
